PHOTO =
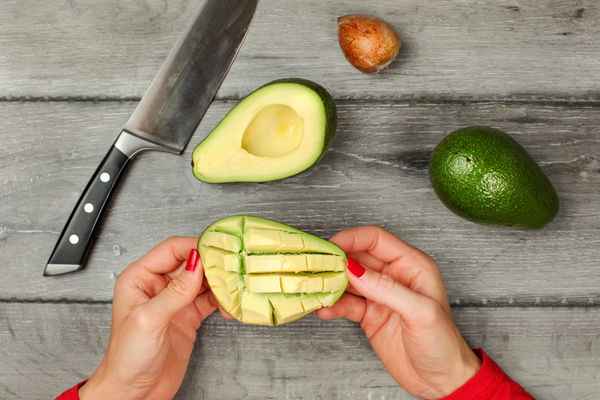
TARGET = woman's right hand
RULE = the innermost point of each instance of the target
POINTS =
(397, 294)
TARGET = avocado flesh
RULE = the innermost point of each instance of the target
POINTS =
(267, 273)
(485, 176)
(277, 131)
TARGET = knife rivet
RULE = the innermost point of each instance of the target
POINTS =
(105, 177)
(73, 239)
(88, 208)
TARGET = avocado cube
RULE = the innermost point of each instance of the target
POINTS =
(263, 283)
(287, 309)
(256, 309)
(223, 241)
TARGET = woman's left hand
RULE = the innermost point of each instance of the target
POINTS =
(158, 305)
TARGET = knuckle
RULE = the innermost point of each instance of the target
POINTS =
(177, 286)
(430, 313)
(385, 283)
(430, 267)
(122, 279)
(141, 319)
(171, 239)
(174, 237)
(376, 229)
(430, 263)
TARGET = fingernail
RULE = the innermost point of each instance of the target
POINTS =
(192, 260)
(355, 268)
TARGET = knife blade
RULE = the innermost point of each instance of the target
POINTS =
(165, 119)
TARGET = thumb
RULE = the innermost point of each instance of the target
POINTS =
(384, 290)
(180, 292)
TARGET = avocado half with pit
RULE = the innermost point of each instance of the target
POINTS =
(267, 273)
(279, 130)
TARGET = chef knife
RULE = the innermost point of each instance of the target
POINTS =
(165, 118)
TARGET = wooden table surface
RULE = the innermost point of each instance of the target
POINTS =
(71, 72)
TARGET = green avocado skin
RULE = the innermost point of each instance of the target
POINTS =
(485, 176)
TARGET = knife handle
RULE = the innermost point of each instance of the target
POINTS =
(77, 235)
(74, 241)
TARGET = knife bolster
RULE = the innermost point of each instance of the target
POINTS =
(130, 144)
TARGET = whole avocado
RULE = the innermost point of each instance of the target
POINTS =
(484, 175)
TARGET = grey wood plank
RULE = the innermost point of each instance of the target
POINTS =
(546, 49)
(375, 173)
(553, 352)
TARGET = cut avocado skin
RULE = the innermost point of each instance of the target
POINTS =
(485, 176)
(327, 128)
(292, 282)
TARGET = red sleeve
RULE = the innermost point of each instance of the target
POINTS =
(490, 383)
(71, 394)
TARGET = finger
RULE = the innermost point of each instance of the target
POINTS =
(368, 260)
(180, 292)
(374, 240)
(224, 314)
(384, 290)
(203, 305)
(350, 289)
(404, 263)
(168, 255)
(348, 306)
(169, 276)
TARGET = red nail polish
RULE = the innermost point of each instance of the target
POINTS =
(355, 268)
(192, 261)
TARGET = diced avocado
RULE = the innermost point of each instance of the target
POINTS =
(275, 263)
(329, 299)
(230, 301)
(215, 257)
(287, 309)
(302, 283)
(265, 263)
(262, 240)
(256, 309)
(223, 279)
(236, 312)
(270, 273)
(312, 244)
(295, 283)
(223, 241)
(325, 262)
(332, 282)
(231, 225)
(263, 284)
(279, 130)
(484, 175)
(310, 302)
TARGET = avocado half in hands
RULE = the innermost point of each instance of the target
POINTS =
(277, 131)
(267, 273)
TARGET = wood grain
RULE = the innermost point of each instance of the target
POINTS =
(544, 50)
(528, 68)
(553, 353)
(375, 173)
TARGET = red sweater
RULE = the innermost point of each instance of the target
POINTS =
(489, 383)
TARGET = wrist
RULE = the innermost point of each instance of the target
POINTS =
(100, 387)
(466, 369)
